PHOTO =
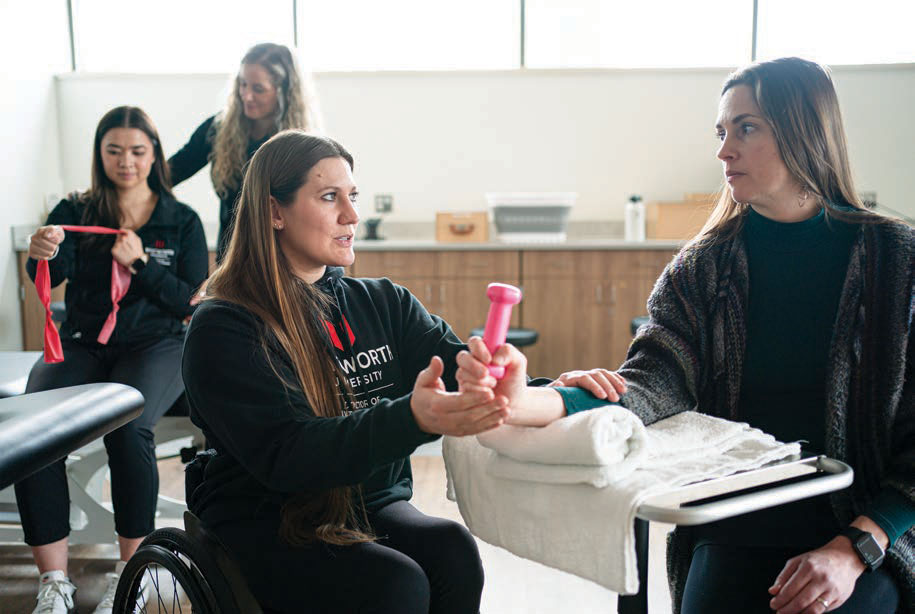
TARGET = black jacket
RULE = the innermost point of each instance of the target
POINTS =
(269, 443)
(195, 154)
(159, 295)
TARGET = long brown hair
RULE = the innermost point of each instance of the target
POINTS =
(101, 199)
(798, 100)
(298, 109)
(256, 275)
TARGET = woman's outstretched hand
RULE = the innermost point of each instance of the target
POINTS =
(602, 383)
(472, 410)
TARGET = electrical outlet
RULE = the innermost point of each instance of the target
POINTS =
(383, 203)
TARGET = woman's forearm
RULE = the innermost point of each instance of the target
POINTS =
(538, 406)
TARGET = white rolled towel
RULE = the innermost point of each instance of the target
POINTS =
(607, 436)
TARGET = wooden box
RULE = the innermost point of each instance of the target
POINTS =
(469, 227)
(679, 221)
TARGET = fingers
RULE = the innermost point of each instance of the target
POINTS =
(480, 418)
(804, 601)
(618, 382)
(44, 242)
(510, 357)
(430, 377)
(55, 234)
(471, 368)
(800, 588)
(786, 573)
(602, 383)
(479, 350)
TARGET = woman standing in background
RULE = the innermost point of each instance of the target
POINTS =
(269, 95)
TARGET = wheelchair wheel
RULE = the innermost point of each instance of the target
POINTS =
(176, 573)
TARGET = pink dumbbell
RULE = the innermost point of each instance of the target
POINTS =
(503, 297)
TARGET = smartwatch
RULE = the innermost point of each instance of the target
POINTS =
(867, 548)
(137, 265)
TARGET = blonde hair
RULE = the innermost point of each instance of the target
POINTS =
(256, 275)
(297, 109)
(798, 100)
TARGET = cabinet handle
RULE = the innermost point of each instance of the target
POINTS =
(613, 294)
(599, 293)
(441, 294)
(428, 293)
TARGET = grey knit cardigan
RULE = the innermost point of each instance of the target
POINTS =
(690, 357)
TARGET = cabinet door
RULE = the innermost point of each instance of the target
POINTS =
(627, 299)
(395, 265)
(464, 305)
(493, 265)
(573, 317)
(628, 293)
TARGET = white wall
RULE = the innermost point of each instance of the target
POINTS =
(35, 45)
(438, 141)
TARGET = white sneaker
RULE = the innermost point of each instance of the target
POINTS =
(55, 593)
(107, 603)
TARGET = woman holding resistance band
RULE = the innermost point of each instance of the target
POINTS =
(162, 245)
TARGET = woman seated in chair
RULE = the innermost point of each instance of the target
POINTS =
(162, 245)
(792, 310)
(314, 388)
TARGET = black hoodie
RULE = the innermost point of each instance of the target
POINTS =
(159, 295)
(269, 444)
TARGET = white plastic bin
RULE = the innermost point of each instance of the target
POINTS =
(531, 217)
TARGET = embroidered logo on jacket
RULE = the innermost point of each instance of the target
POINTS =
(335, 338)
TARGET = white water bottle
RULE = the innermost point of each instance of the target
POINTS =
(635, 219)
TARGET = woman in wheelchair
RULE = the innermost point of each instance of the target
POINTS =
(314, 388)
(162, 245)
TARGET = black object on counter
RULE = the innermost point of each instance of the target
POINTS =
(371, 229)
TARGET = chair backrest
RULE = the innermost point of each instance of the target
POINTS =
(227, 565)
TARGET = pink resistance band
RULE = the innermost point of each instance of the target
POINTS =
(120, 283)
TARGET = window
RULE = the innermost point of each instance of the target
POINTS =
(186, 36)
(837, 31)
(409, 34)
(650, 33)
(181, 36)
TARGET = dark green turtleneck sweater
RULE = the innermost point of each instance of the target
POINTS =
(796, 274)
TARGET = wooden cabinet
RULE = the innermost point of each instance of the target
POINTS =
(450, 284)
(580, 302)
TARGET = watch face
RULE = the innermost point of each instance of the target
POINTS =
(869, 548)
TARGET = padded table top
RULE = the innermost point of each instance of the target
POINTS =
(40, 428)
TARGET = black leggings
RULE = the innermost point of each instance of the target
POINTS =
(737, 579)
(419, 565)
(155, 370)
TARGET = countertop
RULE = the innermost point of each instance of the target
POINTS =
(418, 236)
